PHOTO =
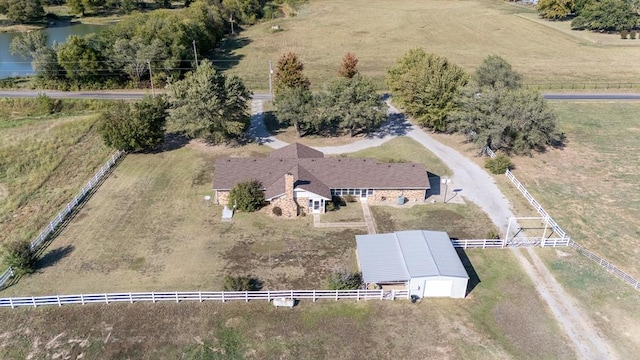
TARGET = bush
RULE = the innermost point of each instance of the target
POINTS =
(349, 198)
(499, 164)
(632, 34)
(623, 34)
(343, 280)
(277, 211)
(331, 206)
(20, 257)
(47, 105)
(241, 283)
(492, 234)
(247, 196)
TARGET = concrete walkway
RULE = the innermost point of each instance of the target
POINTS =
(368, 218)
(478, 186)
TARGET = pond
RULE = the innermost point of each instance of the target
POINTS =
(16, 66)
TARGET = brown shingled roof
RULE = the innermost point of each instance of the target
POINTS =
(296, 151)
(318, 175)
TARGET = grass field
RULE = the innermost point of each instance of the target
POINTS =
(44, 160)
(495, 321)
(590, 187)
(379, 32)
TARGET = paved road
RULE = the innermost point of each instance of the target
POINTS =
(136, 94)
(476, 185)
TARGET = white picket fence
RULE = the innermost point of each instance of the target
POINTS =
(64, 213)
(608, 266)
(517, 242)
(201, 296)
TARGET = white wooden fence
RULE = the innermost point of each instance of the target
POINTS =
(518, 242)
(66, 211)
(608, 266)
(200, 296)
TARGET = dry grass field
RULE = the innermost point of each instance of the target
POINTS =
(379, 32)
(590, 187)
(495, 321)
(45, 159)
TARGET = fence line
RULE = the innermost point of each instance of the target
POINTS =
(64, 213)
(200, 296)
(608, 266)
(583, 86)
(502, 243)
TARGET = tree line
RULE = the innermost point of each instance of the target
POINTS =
(596, 15)
(243, 11)
(490, 107)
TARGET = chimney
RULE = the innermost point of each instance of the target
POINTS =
(288, 186)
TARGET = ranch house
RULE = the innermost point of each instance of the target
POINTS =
(298, 179)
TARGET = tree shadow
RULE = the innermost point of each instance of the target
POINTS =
(225, 57)
(395, 125)
(172, 141)
(52, 257)
(474, 279)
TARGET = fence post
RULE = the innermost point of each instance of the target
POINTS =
(314, 295)
(58, 298)
(336, 295)
(200, 296)
(130, 298)
(177, 301)
(223, 296)
(82, 299)
(357, 294)
(246, 296)
(153, 297)
(34, 301)
(11, 303)
(106, 298)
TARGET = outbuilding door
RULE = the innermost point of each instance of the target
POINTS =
(438, 288)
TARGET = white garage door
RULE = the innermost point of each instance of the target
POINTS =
(435, 288)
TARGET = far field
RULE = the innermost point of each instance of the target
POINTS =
(379, 32)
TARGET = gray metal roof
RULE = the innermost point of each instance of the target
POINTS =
(404, 255)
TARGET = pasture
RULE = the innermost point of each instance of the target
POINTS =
(590, 187)
(45, 159)
(379, 32)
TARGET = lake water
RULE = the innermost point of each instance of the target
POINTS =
(16, 66)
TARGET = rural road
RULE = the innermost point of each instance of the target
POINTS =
(133, 95)
(478, 186)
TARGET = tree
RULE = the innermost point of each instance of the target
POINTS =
(247, 196)
(22, 11)
(27, 44)
(606, 15)
(241, 283)
(20, 257)
(209, 105)
(555, 9)
(135, 55)
(134, 127)
(247, 11)
(425, 85)
(497, 72)
(348, 67)
(78, 58)
(294, 106)
(289, 74)
(513, 120)
(498, 165)
(45, 63)
(353, 105)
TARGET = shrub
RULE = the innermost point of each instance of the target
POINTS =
(331, 206)
(499, 164)
(623, 34)
(632, 34)
(47, 105)
(277, 211)
(20, 257)
(241, 283)
(492, 234)
(247, 196)
(343, 280)
(349, 198)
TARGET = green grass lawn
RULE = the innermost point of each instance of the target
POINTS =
(379, 32)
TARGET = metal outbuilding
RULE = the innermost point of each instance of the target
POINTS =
(424, 261)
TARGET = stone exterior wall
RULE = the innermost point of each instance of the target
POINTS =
(288, 206)
(303, 204)
(222, 197)
(392, 195)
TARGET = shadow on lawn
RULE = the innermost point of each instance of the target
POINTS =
(474, 279)
(54, 256)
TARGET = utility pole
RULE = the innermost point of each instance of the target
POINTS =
(195, 53)
(231, 21)
(270, 79)
(153, 92)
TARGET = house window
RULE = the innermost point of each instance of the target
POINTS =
(352, 191)
(370, 192)
(357, 192)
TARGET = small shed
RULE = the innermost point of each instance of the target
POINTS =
(421, 261)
